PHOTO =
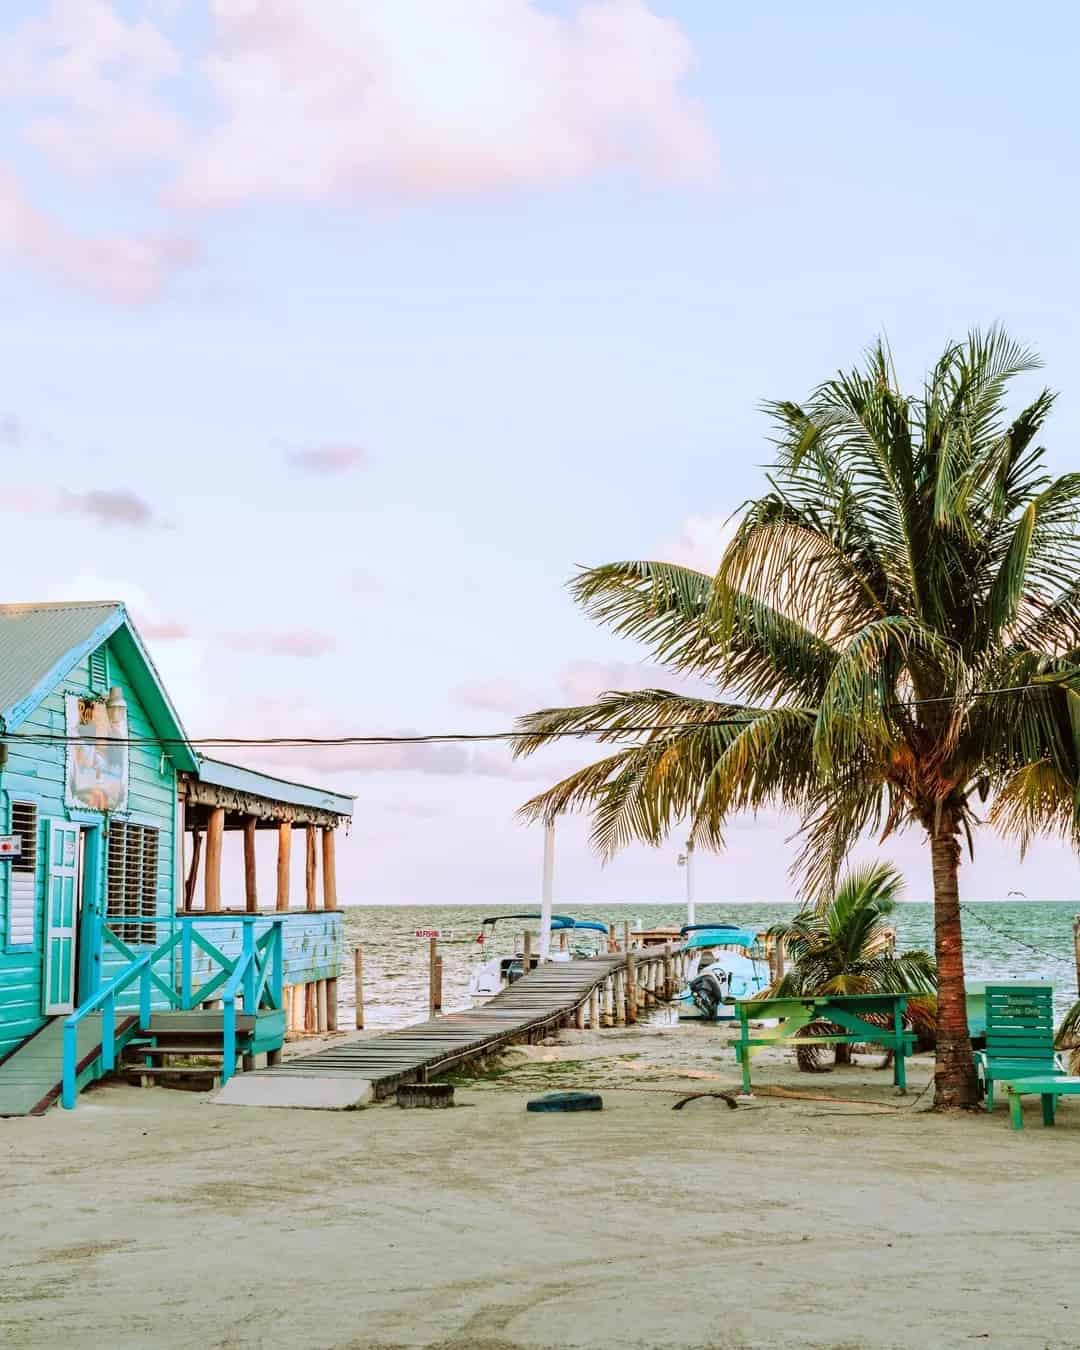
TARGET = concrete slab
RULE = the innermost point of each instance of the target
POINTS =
(306, 1092)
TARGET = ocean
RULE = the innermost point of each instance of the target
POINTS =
(1008, 939)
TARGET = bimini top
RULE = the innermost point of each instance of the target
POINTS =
(557, 920)
(717, 935)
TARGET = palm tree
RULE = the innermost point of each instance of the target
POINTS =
(844, 946)
(889, 637)
(1068, 1037)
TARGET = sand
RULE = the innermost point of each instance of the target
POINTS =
(149, 1218)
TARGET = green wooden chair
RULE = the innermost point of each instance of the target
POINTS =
(1019, 1036)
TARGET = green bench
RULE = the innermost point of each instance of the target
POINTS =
(847, 1011)
(1047, 1086)
(1019, 1036)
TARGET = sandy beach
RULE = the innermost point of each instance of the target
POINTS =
(846, 1217)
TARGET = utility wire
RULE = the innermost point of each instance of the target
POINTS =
(464, 737)
(1008, 937)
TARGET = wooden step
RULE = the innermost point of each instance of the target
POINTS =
(198, 1022)
(176, 1048)
(167, 1071)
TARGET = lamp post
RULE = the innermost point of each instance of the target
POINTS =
(546, 891)
(687, 860)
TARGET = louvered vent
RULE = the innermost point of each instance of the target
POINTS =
(132, 881)
(22, 881)
(99, 671)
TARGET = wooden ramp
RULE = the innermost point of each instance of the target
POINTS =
(30, 1076)
(544, 999)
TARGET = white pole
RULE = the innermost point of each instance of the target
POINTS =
(546, 891)
(690, 912)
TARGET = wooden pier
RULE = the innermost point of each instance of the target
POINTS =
(601, 991)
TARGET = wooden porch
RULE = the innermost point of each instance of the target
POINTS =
(223, 799)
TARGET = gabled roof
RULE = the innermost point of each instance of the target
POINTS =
(41, 643)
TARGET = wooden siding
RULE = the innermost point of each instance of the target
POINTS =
(36, 773)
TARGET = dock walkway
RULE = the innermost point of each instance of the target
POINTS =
(594, 991)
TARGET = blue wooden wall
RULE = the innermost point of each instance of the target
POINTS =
(36, 773)
(314, 943)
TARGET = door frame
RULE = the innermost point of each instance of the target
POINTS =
(88, 960)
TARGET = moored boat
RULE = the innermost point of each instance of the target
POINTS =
(571, 939)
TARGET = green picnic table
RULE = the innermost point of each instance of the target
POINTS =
(1047, 1086)
(847, 1011)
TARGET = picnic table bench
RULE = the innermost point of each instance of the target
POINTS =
(847, 1011)
(1047, 1086)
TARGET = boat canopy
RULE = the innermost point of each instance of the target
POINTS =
(591, 924)
(717, 935)
(557, 920)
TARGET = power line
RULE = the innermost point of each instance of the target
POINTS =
(469, 737)
(1008, 937)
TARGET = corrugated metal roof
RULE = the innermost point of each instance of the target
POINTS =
(36, 639)
(241, 779)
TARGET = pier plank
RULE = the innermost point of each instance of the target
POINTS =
(547, 996)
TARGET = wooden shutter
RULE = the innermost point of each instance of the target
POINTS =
(22, 879)
(99, 671)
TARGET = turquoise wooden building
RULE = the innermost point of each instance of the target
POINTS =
(116, 935)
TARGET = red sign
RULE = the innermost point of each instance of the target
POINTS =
(428, 933)
(10, 845)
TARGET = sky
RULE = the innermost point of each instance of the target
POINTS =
(339, 334)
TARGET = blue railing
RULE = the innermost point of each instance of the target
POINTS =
(256, 975)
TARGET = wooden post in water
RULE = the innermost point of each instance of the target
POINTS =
(358, 966)
(626, 935)
(251, 890)
(669, 974)
(215, 835)
(438, 983)
(433, 974)
(1076, 949)
(562, 941)
(612, 940)
(631, 987)
(284, 853)
(526, 952)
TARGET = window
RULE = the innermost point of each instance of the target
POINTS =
(99, 671)
(132, 882)
(22, 879)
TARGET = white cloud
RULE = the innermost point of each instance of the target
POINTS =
(701, 542)
(122, 268)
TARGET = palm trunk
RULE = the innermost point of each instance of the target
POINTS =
(954, 1073)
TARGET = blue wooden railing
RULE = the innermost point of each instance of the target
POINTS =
(256, 975)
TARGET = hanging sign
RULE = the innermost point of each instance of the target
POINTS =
(10, 846)
(431, 933)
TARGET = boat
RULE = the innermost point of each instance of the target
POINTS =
(726, 964)
(576, 938)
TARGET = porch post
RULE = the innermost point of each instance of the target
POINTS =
(310, 865)
(329, 869)
(251, 892)
(284, 850)
(193, 870)
(215, 835)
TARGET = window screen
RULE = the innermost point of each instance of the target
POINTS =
(99, 671)
(22, 879)
(132, 882)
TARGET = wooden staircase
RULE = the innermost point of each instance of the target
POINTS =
(185, 1049)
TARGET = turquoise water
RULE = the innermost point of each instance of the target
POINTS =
(1007, 940)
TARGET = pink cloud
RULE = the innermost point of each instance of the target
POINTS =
(328, 459)
(109, 507)
(303, 642)
(116, 267)
(163, 632)
(410, 100)
(100, 77)
(498, 695)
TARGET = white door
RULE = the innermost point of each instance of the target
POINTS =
(61, 916)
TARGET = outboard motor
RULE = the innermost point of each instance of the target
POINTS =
(708, 991)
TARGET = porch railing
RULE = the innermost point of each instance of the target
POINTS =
(256, 975)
